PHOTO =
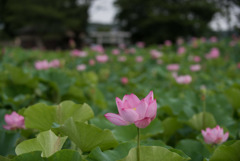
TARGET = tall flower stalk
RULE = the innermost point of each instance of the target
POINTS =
(138, 144)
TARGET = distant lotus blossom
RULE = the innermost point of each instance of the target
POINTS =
(72, 43)
(168, 43)
(196, 67)
(140, 44)
(214, 53)
(41, 65)
(232, 43)
(14, 121)
(215, 135)
(78, 53)
(183, 79)
(175, 74)
(122, 46)
(238, 65)
(173, 67)
(98, 48)
(81, 67)
(124, 80)
(122, 58)
(181, 50)
(196, 59)
(139, 59)
(115, 51)
(91, 62)
(130, 51)
(159, 61)
(180, 41)
(155, 54)
(54, 63)
(203, 39)
(213, 39)
(102, 58)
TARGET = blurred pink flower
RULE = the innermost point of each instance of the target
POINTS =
(98, 48)
(122, 46)
(181, 50)
(139, 59)
(173, 67)
(214, 53)
(122, 58)
(238, 65)
(78, 53)
(42, 65)
(213, 39)
(180, 41)
(102, 58)
(91, 62)
(203, 39)
(215, 135)
(81, 67)
(155, 54)
(124, 80)
(54, 63)
(159, 61)
(196, 59)
(14, 121)
(195, 67)
(132, 110)
(183, 79)
(140, 44)
(168, 42)
(115, 51)
(130, 51)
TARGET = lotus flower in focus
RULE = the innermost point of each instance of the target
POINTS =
(14, 121)
(215, 135)
(134, 111)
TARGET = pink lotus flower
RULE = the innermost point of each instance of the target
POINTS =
(122, 58)
(183, 79)
(115, 52)
(81, 67)
(140, 44)
(102, 58)
(78, 53)
(180, 41)
(122, 46)
(181, 50)
(214, 53)
(54, 63)
(203, 39)
(14, 121)
(130, 51)
(124, 80)
(215, 135)
(98, 48)
(42, 65)
(91, 62)
(173, 67)
(132, 110)
(155, 54)
(168, 43)
(139, 59)
(196, 67)
(196, 59)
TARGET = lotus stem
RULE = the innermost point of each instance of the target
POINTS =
(138, 144)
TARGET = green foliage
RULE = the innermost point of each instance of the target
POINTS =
(47, 142)
(154, 21)
(154, 153)
(88, 137)
(42, 117)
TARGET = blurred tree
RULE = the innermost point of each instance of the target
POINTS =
(49, 20)
(154, 21)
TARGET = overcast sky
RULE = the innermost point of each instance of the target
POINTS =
(103, 11)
